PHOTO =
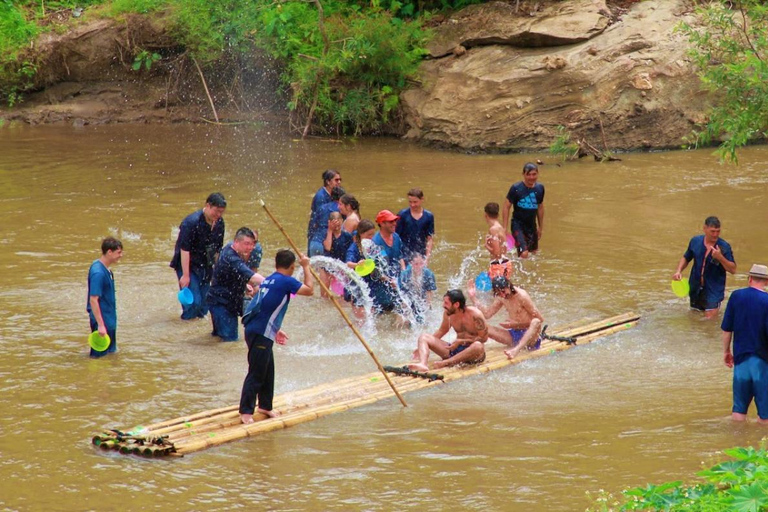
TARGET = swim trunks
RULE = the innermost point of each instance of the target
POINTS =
(461, 348)
(500, 268)
(526, 236)
(517, 335)
(750, 380)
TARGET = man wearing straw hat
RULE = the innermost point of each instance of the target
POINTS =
(262, 323)
(746, 324)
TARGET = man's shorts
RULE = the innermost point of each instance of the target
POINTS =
(526, 237)
(462, 348)
(750, 380)
(517, 335)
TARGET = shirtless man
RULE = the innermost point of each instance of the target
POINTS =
(471, 334)
(495, 229)
(523, 325)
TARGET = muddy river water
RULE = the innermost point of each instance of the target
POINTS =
(646, 405)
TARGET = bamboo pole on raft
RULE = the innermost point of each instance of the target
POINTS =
(338, 306)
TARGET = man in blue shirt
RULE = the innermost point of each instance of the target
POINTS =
(712, 257)
(527, 197)
(390, 243)
(416, 226)
(331, 179)
(746, 323)
(262, 321)
(102, 303)
(201, 236)
(231, 277)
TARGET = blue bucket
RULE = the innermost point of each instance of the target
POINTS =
(483, 282)
(185, 297)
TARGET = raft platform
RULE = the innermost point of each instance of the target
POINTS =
(196, 432)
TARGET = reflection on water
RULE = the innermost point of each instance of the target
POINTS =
(649, 404)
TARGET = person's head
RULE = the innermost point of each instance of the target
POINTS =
(387, 221)
(214, 207)
(365, 230)
(415, 197)
(453, 301)
(348, 204)
(334, 220)
(285, 260)
(331, 178)
(758, 276)
(245, 241)
(491, 211)
(418, 262)
(502, 287)
(337, 193)
(530, 174)
(712, 228)
(111, 249)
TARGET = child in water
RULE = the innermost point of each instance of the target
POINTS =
(418, 285)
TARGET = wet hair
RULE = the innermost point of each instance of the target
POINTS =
(349, 200)
(492, 210)
(329, 175)
(336, 193)
(216, 199)
(416, 192)
(334, 215)
(245, 232)
(455, 296)
(500, 283)
(363, 226)
(530, 167)
(110, 244)
(284, 259)
(712, 222)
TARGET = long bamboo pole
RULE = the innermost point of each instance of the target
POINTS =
(338, 306)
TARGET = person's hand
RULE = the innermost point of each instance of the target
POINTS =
(249, 290)
(728, 359)
(717, 253)
(183, 281)
(303, 260)
(677, 276)
(102, 330)
(281, 338)
(539, 233)
(471, 290)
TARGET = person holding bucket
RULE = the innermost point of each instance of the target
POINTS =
(102, 303)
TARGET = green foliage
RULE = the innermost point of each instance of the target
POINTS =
(137, 6)
(15, 30)
(739, 485)
(730, 50)
(354, 78)
(412, 8)
(562, 146)
(146, 59)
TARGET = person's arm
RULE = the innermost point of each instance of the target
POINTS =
(429, 247)
(308, 288)
(328, 242)
(678, 275)
(256, 279)
(445, 326)
(727, 356)
(505, 215)
(487, 312)
(540, 218)
(96, 310)
(184, 279)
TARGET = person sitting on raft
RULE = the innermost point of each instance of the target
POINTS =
(471, 335)
(523, 325)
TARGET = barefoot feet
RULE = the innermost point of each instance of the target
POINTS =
(246, 419)
(418, 367)
(268, 414)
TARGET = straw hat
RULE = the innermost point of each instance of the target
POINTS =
(759, 271)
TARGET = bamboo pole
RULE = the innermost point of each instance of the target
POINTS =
(338, 306)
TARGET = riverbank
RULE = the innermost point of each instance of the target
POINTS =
(495, 79)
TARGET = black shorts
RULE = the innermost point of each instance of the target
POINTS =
(526, 236)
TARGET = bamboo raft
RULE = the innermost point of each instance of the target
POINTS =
(196, 432)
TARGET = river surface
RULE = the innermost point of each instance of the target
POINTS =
(646, 405)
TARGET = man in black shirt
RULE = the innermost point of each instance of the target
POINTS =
(527, 197)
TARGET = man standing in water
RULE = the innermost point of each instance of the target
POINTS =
(262, 323)
(471, 334)
(416, 226)
(231, 276)
(522, 327)
(390, 243)
(201, 237)
(527, 197)
(712, 258)
(102, 304)
(746, 323)
(331, 179)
